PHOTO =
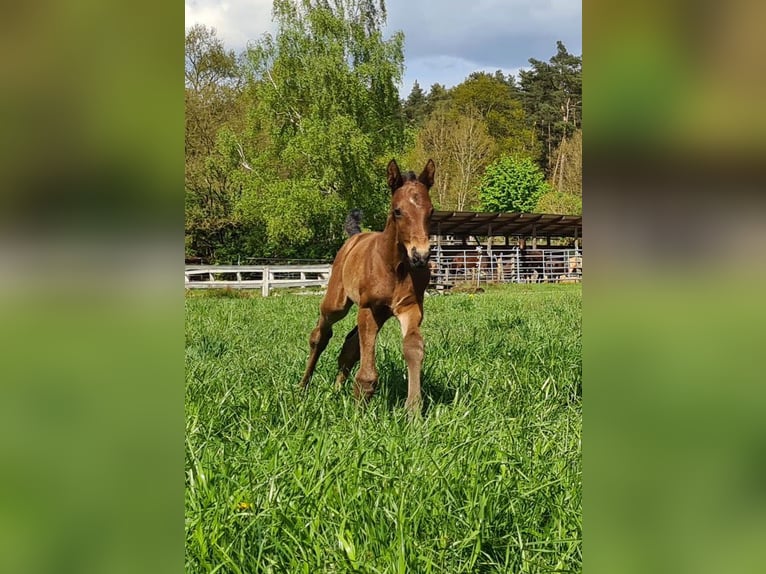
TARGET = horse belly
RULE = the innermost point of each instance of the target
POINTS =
(366, 281)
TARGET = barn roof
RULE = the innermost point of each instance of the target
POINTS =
(501, 224)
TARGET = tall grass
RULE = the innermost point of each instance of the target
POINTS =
(489, 480)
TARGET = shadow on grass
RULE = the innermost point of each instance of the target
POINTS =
(392, 385)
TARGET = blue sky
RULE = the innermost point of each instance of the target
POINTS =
(445, 40)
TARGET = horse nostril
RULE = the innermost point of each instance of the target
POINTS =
(419, 258)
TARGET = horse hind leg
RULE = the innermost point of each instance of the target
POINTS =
(349, 356)
(319, 338)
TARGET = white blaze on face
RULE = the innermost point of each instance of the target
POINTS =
(418, 235)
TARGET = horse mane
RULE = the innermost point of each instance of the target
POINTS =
(353, 222)
(409, 176)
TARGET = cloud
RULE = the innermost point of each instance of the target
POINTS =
(445, 40)
(446, 70)
(237, 22)
(491, 33)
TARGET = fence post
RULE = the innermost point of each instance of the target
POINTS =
(478, 272)
(265, 282)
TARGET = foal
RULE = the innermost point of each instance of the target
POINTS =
(385, 273)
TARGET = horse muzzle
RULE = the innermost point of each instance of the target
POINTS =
(419, 258)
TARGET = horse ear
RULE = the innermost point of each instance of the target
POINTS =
(427, 176)
(394, 176)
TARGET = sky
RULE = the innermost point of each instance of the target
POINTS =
(445, 40)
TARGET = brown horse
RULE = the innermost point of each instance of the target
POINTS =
(385, 273)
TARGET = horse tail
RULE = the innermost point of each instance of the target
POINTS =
(353, 223)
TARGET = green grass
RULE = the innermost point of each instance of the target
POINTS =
(489, 480)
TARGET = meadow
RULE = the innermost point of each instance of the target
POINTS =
(489, 479)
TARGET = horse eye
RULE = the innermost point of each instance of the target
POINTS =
(397, 212)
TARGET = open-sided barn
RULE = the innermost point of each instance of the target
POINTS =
(505, 247)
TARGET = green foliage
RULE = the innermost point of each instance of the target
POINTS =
(460, 145)
(208, 65)
(326, 95)
(284, 140)
(465, 129)
(299, 221)
(512, 183)
(567, 174)
(552, 96)
(437, 95)
(490, 480)
(498, 102)
(216, 106)
(559, 202)
(415, 106)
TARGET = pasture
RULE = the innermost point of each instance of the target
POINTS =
(487, 480)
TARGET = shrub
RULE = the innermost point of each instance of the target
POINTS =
(512, 184)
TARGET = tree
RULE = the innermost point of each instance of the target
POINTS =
(471, 146)
(566, 197)
(327, 99)
(414, 107)
(437, 95)
(498, 102)
(215, 102)
(558, 202)
(433, 141)
(569, 174)
(512, 184)
(460, 145)
(552, 96)
(208, 65)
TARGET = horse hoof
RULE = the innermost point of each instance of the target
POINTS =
(414, 407)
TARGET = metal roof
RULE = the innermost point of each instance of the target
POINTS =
(502, 224)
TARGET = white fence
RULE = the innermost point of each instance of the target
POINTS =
(448, 267)
(265, 277)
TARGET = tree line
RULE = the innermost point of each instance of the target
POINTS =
(283, 140)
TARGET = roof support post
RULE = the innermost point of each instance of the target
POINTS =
(489, 240)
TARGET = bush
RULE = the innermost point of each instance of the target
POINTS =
(512, 184)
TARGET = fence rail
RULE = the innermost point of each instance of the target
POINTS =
(514, 265)
(265, 277)
(447, 268)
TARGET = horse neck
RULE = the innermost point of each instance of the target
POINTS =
(390, 244)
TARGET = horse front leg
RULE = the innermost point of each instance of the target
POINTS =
(413, 347)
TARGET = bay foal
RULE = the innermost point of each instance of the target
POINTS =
(385, 273)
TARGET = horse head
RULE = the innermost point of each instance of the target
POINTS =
(411, 211)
